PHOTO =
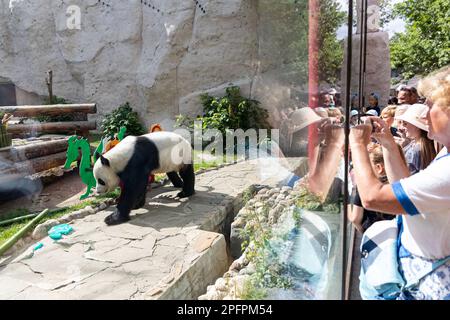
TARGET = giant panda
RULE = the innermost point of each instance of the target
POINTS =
(130, 163)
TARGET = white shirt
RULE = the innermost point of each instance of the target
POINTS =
(425, 197)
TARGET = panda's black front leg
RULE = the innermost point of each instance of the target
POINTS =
(133, 191)
(188, 176)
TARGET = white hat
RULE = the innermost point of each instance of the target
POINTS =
(401, 109)
(303, 117)
(332, 91)
(321, 112)
(372, 112)
(414, 115)
(353, 113)
(300, 119)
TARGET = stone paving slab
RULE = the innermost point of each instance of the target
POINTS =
(171, 248)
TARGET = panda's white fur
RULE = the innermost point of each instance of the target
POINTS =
(174, 152)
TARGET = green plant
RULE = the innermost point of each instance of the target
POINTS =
(124, 116)
(7, 232)
(309, 201)
(424, 46)
(232, 111)
(58, 118)
(261, 247)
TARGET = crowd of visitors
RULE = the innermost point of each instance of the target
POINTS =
(399, 168)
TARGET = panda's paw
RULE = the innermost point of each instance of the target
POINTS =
(115, 218)
(141, 203)
(183, 194)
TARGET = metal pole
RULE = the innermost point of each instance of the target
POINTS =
(313, 65)
(361, 58)
(364, 56)
(346, 147)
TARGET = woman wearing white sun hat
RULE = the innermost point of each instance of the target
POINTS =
(420, 151)
(323, 145)
(422, 200)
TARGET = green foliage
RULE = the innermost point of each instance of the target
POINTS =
(123, 116)
(15, 213)
(331, 52)
(58, 118)
(7, 232)
(56, 100)
(253, 291)
(263, 255)
(232, 111)
(309, 201)
(425, 45)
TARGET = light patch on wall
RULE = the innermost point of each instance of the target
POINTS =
(73, 21)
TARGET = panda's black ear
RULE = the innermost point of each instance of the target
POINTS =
(104, 161)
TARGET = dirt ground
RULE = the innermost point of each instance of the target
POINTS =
(64, 191)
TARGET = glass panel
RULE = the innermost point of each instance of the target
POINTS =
(258, 90)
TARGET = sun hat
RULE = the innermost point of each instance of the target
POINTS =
(414, 115)
(303, 117)
(401, 109)
(371, 112)
(300, 119)
(321, 112)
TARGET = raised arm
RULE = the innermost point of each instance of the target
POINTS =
(374, 195)
(322, 175)
(395, 165)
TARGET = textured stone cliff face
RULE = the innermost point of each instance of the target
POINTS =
(126, 51)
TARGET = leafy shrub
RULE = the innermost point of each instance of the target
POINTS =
(124, 116)
(309, 201)
(232, 111)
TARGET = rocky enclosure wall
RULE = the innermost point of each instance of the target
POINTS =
(160, 57)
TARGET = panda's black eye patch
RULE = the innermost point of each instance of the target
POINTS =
(101, 182)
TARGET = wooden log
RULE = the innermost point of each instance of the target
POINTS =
(34, 150)
(49, 110)
(73, 127)
(29, 167)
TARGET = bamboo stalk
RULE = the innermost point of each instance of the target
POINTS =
(17, 219)
(8, 244)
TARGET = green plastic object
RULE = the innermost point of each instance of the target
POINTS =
(58, 231)
(86, 166)
(99, 150)
(85, 169)
(121, 133)
(38, 246)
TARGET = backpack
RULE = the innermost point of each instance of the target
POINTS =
(380, 276)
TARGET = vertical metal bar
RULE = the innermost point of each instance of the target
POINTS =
(346, 147)
(361, 58)
(364, 53)
(313, 65)
(313, 53)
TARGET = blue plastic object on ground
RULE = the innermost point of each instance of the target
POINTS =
(58, 231)
(38, 246)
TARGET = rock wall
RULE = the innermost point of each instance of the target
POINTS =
(160, 57)
(378, 66)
